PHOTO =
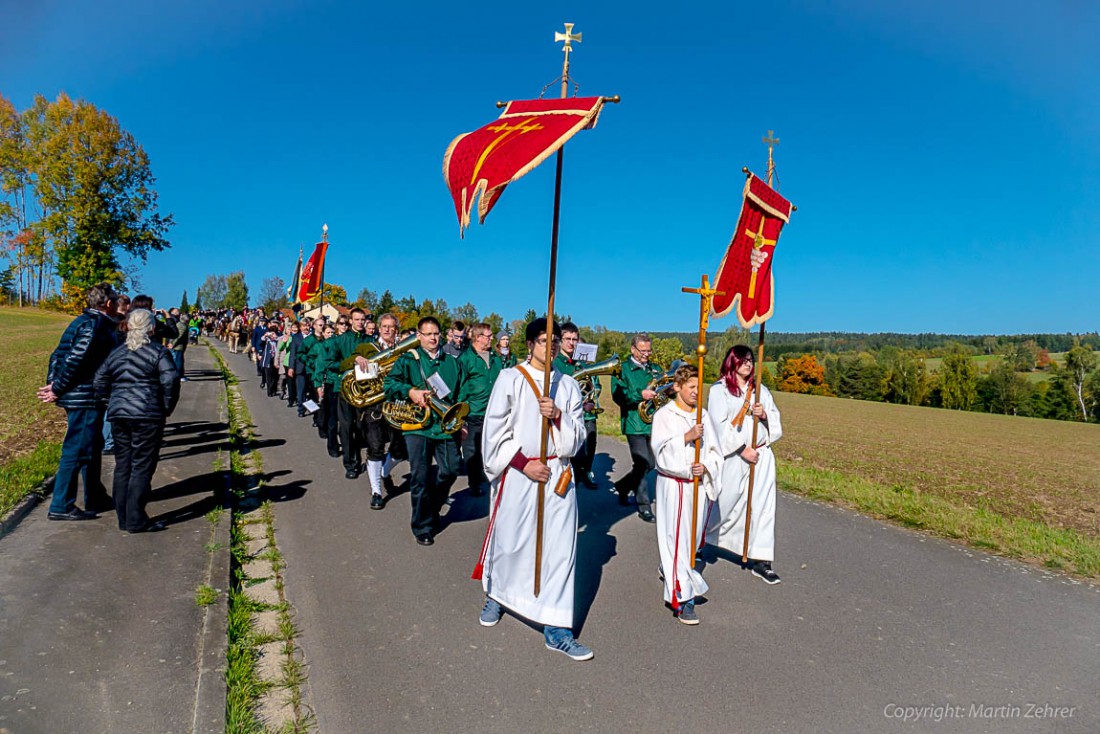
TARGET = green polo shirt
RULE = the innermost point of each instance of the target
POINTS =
(479, 379)
(406, 376)
(626, 391)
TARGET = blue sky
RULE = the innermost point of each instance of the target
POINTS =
(944, 156)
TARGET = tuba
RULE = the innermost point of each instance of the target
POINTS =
(408, 416)
(663, 385)
(361, 393)
(585, 375)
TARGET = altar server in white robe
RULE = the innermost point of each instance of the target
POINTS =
(675, 432)
(732, 409)
(511, 446)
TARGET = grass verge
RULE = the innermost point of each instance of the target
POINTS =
(260, 698)
(25, 474)
(981, 528)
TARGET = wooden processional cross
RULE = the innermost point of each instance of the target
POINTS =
(706, 295)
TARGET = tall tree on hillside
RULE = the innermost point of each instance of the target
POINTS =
(369, 302)
(1008, 391)
(1079, 362)
(958, 381)
(185, 307)
(666, 351)
(95, 190)
(466, 312)
(1092, 395)
(496, 323)
(905, 379)
(236, 291)
(333, 293)
(273, 295)
(212, 291)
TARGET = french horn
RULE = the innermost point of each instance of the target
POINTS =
(585, 376)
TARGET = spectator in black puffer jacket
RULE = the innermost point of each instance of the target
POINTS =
(140, 383)
(83, 347)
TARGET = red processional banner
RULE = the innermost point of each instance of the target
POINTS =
(483, 162)
(745, 274)
(309, 284)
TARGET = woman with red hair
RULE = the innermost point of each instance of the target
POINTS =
(732, 407)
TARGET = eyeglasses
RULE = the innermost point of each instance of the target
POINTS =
(643, 351)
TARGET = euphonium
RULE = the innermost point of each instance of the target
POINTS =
(663, 386)
(361, 393)
(407, 416)
(585, 376)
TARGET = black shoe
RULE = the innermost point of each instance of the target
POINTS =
(763, 569)
(425, 539)
(335, 454)
(301, 413)
(376, 502)
(587, 482)
(74, 514)
(646, 516)
(150, 527)
(351, 474)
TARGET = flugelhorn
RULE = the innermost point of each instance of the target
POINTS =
(408, 416)
(585, 375)
(361, 393)
(663, 386)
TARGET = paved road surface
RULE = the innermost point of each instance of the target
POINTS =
(99, 631)
(868, 618)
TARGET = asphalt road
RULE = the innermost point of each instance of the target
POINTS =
(869, 621)
(99, 630)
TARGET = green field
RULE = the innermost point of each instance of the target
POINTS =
(1020, 487)
(30, 431)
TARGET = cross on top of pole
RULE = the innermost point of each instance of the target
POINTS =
(568, 37)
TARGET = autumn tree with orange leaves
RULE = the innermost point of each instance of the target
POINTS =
(803, 374)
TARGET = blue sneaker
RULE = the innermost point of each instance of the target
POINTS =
(687, 614)
(562, 640)
(490, 613)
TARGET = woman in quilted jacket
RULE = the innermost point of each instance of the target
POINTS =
(141, 386)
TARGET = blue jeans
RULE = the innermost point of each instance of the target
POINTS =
(108, 437)
(81, 454)
(177, 357)
(554, 635)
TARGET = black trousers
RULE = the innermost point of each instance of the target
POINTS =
(427, 497)
(271, 380)
(377, 433)
(349, 420)
(642, 457)
(137, 450)
(582, 461)
(290, 385)
(304, 391)
(471, 452)
(330, 428)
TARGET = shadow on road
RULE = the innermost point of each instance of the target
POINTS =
(597, 511)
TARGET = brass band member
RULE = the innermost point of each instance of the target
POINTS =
(481, 366)
(408, 380)
(326, 393)
(348, 418)
(627, 390)
(378, 432)
(567, 365)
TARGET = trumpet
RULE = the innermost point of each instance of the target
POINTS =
(361, 393)
(585, 375)
(663, 386)
(408, 416)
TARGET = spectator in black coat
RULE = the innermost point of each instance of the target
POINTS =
(140, 383)
(83, 347)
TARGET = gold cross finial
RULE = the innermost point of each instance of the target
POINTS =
(771, 141)
(568, 37)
